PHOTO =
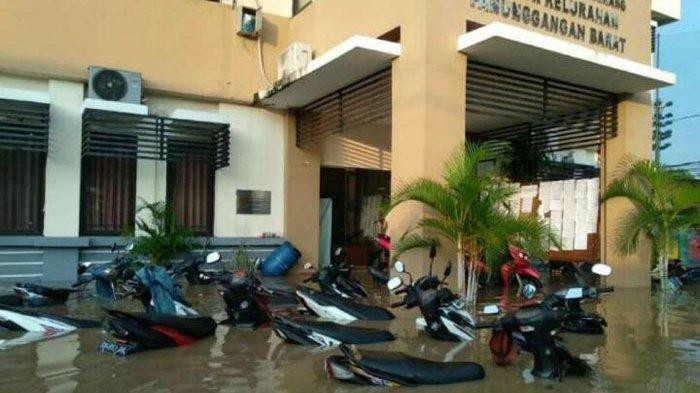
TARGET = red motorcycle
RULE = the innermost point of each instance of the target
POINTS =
(519, 267)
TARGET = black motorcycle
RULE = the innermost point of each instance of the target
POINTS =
(108, 277)
(335, 279)
(444, 314)
(193, 267)
(397, 369)
(325, 333)
(534, 329)
(247, 300)
(133, 332)
(35, 295)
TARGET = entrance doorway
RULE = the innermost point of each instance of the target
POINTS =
(357, 196)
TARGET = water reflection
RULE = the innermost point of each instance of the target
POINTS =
(651, 344)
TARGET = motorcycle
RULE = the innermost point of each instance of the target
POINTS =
(152, 286)
(534, 329)
(393, 369)
(35, 295)
(579, 321)
(444, 317)
(379, 265)
(107, 277)
(519, 267)
(247, 301)
(335, 279)
(19, 320)
(324, 333)
(133, 332)
(339, 308)
(192, 267)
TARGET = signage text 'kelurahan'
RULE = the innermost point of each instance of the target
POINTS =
(565, 17)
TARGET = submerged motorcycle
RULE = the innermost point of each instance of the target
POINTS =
(193, 267)
(247, 301)
(534, 329)
(444, 317)
(397, 369)
(35, 295)
(579, 321)
(520, 269)
(133, 332)
(335, 279)
(109, 276)
(338, 308)
(325, 333)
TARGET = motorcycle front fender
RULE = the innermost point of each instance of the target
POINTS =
(530, 273)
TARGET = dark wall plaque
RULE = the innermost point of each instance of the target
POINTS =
(253, 201)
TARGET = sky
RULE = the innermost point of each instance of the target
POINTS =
(680, 54)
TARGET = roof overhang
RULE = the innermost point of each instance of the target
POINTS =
(523, 50)
(352, 60)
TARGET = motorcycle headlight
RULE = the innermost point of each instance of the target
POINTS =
(528, 291)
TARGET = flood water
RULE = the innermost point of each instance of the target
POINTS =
(643, 350)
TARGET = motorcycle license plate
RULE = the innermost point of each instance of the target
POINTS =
(119, 348)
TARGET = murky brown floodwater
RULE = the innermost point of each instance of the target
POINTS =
(643, 350)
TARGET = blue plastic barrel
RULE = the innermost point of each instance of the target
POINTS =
(280, 260)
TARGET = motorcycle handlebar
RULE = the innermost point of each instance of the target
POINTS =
(606, 290)
(397, 304)
(400, 291)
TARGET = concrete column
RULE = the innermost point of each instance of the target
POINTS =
(302, 188)
(428, 108)
(633, 141)
(62, 202)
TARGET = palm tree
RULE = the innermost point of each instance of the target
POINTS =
(664, 202)
(469, 209)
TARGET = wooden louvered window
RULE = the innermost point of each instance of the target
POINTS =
(22, 176)
(108, 195)
(191, 193)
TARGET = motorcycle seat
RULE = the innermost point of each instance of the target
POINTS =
(419, 371)
(361, 311)
(194, 326)
(344, 334)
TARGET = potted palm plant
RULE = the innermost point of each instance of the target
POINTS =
(158, 237)
(664, 202)
(468, 207)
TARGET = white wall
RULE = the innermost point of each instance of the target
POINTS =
(62, 197)
(256, 161)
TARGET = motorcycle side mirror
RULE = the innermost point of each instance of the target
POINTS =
(448, 269)
(399, 267)
(602, 269)
(213, 257)
(433, 251)
(307, 266)
(394, 283)
(491, 309)
(129, 247)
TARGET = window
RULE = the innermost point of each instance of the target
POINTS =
(108, 195)
(299, 5)
(24, 130)
(22, 192)
(191, 193)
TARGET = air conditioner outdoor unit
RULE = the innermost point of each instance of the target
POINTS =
(114, 85)
(292, 62)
